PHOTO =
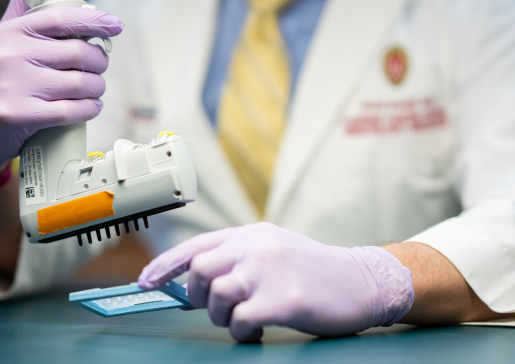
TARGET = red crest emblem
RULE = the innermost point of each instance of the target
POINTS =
(396, 65)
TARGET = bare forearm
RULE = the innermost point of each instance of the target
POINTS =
(10, 229)
(442, 295)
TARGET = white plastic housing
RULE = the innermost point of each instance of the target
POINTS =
(38, 5)
(142, 177)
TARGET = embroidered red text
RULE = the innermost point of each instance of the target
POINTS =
(396, 116)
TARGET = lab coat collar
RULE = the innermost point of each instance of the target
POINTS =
(347, 34)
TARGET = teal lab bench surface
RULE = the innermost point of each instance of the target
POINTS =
(49, 329)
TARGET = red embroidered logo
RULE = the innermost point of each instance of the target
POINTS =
(396, 65)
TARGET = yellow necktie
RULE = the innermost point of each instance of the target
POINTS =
(252, 110)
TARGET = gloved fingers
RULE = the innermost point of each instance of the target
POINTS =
(176, 261)
(226, 292)
(204, 268)
(73, 54)
(61, 22)
(63, 112)
(69, 85)
(15, 9)
(249, 317)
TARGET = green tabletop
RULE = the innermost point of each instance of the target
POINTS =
(48, 329)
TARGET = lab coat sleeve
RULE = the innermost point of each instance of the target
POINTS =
(480, 242)
(42, 265)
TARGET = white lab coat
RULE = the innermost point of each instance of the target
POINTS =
(363, 160)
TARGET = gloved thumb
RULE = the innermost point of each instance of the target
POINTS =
(15, 9)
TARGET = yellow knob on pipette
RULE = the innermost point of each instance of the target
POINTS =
(96, 154)
(166, 132)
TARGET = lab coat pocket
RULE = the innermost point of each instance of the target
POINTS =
(429, 174)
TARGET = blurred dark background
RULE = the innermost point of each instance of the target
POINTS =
(121, 263)
(3, 5)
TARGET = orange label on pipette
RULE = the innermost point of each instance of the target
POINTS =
(76, 212)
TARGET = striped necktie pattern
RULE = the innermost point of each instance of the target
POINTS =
(254, 100)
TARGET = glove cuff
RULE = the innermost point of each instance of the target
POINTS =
(393, 281)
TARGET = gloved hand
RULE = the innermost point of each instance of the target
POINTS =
(46, 81)
(260, 274)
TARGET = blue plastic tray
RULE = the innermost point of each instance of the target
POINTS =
(129, 299)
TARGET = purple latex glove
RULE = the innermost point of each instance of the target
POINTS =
(46, 81)
(257, 275)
